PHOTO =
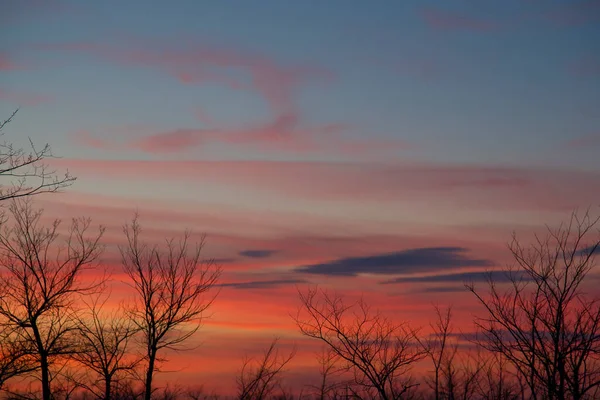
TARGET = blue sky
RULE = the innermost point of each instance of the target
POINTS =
(476, 82)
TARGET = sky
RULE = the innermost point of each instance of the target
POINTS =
(384, 148)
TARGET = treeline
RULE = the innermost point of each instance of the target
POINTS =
(538, 335)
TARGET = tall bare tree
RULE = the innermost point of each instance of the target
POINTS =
(258, 382)
(544, 323)
(326, 386)
(104, 339)
(441, 351)
(40, 282)
(173, 286)
(25, 172)
(378, 352)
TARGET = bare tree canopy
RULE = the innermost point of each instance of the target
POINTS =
(172, 286)
(40, 282)
(259, 379)
(24, 172)
(544, 323)
(378, 352)
(103, 347)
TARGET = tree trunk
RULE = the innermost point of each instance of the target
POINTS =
(44, 367)
(149, 373)
(107, 385)
(45, 376)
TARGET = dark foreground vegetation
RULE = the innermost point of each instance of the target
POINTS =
(538, 333)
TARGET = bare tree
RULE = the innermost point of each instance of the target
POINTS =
(441, 351)
(15, 356)
(378, 352)
(104, 338)
(26, 170)
(544, 324)
(40, 281)
(327, 360)
(260, 381)
(172, 286)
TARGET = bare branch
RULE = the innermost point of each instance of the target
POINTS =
(25, 172)
(40, 282)
(173, 286)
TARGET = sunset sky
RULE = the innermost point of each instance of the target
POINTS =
(386, 148)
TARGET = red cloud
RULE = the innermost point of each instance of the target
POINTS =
(443, 20)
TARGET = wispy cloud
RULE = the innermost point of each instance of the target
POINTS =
(18, 98)
(402, 262)
(473, 186)
(285, 133)
(466, 277)
(584, 141)
(7, 64)
(199, 63)
(450, 21)
(257, 253)
(267, 284)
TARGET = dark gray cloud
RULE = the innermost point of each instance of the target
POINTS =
(223, 260)
(419, 260)
(259, 253)
(475, 276)
(268, 284)
(442, 289)
(593, 249)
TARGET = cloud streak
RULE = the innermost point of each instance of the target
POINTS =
(476, 186)
(402, 262)
(448, 21)
(262, 253)
(465, 277)
(267, 284)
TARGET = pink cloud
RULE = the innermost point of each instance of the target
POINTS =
(203, 117)
(23, 98)
(86, 138)
(275, 82)
(591, 140)
(445, 20)
(477, 187)
(200, 63)
(6, 64)
(285, 132)
(170, 142)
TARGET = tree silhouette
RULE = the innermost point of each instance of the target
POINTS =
(544, 323)
(260, 381)
(104, 339)
(26, 170)
(40, 282)
(172, 287)
(378, 352)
